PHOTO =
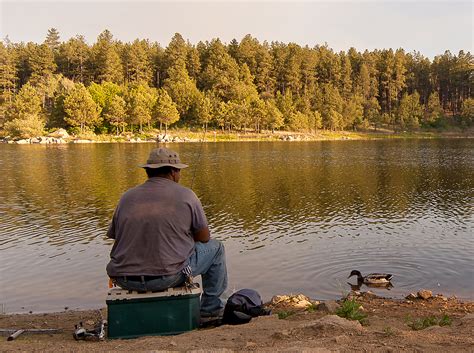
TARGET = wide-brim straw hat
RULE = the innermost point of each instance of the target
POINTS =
(163, 157)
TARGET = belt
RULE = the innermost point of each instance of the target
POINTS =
(138, 278)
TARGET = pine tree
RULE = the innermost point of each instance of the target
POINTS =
(193, 63)
(140, 99)
(364, 81)
(372, 112)
(8, 78)
(433, 112)
(203, 109)
(353, 112)
(164, 110)
(298, 121)
(332, 106)
(292, 69)
(41, 63)
(410, 111)
(115, 113)
(467, 112)
(24, 117)
(56, 118)
(180, 87)
(107, 65)
(81, 110)
(137, 62)
(346, 76)
(73, 58)
(257, 112)
(285, 105)
(52, 39)
(273, 117)
(220, 71)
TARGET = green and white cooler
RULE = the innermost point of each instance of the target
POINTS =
(132, 314)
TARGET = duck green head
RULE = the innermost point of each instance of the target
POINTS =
(355, 273)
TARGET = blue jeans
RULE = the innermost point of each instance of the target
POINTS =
(207, 260)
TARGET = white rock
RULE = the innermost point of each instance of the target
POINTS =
(425, 294)
(59, 133)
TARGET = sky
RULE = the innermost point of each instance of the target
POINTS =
(430, 27)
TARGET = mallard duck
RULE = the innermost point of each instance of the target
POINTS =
(373, 278)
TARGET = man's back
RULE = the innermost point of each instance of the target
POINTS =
(153, 228)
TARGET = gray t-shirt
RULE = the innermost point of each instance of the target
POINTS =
(153, 227)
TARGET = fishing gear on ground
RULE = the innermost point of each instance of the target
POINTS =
(96, 334)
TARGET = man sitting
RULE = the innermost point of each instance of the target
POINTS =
(161, 235)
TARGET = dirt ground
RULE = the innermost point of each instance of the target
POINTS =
(297, 328)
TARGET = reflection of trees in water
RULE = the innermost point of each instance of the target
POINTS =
(331, 181)
(69, 192)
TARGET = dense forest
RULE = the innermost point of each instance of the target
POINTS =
(114, 87)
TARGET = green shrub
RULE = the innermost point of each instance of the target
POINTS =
(445, 321)
(425, 322)
(350, 310)
(311, 308)
(29, 126)
(285, 314)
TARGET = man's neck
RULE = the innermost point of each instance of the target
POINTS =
(168, 176)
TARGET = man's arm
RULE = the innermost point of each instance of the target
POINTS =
(202, 235)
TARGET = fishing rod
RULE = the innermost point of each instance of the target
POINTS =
(198, 159)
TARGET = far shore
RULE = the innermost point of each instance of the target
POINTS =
(60, 136)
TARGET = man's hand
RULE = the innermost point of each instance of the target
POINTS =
(202, 235)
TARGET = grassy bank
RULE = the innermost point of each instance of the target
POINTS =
(186, 135)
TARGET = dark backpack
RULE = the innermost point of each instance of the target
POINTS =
(242, 306)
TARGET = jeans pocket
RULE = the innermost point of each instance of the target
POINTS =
(177, 281)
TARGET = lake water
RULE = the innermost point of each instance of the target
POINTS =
(295, 217)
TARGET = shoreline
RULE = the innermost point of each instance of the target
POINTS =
(180, 136)
(423, 323)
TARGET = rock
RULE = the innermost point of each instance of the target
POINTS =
(82, 141)
(411, 296)
(297, 301)
(23, 142)
(303, 304)
(369, 295)
(35, 140)
(329, 306)
(441, 297)
(59, 133)
(425, 294)
(278, 299)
